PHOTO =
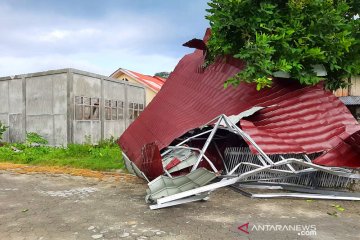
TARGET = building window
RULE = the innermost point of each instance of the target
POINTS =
(87, 108)
(131, 111)
(114, 110)
(107, 110)
(135, 109)
(120, 107)
(141, 108)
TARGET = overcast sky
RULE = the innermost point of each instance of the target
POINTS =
(97, 35)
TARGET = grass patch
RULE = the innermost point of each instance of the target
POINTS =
(103, 157)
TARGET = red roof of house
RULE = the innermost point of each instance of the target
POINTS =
(153, 82)
(160, 78)
(297, 118)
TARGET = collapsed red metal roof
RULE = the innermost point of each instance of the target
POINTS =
(298, 119)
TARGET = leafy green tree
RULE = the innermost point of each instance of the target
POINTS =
(162, 74)
(289, 36)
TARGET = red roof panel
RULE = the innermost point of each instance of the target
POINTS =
(153, 82)
(348, 151)
(297, 119)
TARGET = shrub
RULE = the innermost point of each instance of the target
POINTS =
(2, 129)
(34, 138)
(110, 142)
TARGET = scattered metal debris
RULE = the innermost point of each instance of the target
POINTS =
(164, 186)
(185, 181)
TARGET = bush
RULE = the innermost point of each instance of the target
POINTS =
(2, 129)
(34, 138)
(110, 142)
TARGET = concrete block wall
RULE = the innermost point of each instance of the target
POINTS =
(87, 86)
(12, 108)
(44, 103)
(46, 106)
(114, 92)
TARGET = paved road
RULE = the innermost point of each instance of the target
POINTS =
(40, 206)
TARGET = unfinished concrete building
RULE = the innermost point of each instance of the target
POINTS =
(68, 106)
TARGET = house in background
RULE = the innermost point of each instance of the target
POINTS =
(350, 96)
(152, 84)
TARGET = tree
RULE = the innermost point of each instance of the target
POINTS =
(289, 36)
(162, 74)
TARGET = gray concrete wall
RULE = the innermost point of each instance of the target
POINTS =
(16, 110)
(114, 91)
(46, 107)
(35, 103)
(44, 103)
(134, 95)
(104, 88)
(4, 106)
(86, 86)
(12, 108)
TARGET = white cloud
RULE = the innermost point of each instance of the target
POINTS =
(37, 41)
(54, 35)
(59, 35)
(110, 61)
(21, 65)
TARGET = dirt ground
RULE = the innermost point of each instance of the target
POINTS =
(55, 206)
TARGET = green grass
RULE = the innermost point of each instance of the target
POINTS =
(103, 157)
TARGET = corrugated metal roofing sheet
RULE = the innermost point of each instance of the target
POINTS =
(345, 154)
(307, 120)
(350, 100)
(153, 82)
(297, 118)
(164, 186)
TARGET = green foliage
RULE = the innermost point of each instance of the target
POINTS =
(289, 36)
(162, 74)
(110, 142)
(2, 129)
(34, 138)
(96, 157)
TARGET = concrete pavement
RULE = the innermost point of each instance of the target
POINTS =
(49, 206)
